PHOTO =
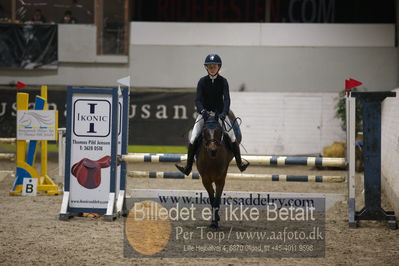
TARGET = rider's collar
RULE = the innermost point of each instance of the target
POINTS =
(213, 77)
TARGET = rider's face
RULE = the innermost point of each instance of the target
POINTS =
(212, 69)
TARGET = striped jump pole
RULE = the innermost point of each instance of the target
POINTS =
(7, 156)
(7, 140)
(238, 176)
(253, 159)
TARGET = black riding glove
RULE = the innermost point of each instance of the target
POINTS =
(204, 114)
(222, 116)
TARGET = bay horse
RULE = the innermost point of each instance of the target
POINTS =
(213, 161)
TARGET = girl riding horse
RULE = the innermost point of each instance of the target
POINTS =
(212, 97)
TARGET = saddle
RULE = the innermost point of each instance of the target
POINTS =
(235, 127)
(88, 172)
(226, 140)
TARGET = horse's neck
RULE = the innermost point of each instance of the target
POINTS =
(222, 154)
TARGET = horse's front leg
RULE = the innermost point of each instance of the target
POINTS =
(215, 213)
(216, 204)
(211, 192)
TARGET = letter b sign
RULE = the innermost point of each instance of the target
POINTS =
(29, 187)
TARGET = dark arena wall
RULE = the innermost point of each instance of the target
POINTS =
(159, 118)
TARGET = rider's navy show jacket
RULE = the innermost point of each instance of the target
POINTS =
(213, 95)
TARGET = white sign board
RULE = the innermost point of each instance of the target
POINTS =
(29, 187)
(36, 125)
(91, 139)
(95, 130)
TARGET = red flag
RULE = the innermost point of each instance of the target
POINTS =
(20, 85)
(351, 83)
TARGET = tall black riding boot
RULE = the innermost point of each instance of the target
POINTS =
(236, 151)
(190, 160)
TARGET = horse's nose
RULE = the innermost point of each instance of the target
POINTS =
(212, 146)
(212, 149)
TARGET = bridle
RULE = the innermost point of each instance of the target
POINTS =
(216, 141)
(214, 125)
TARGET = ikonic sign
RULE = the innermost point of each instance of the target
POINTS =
(92, 118)
(93, 134)
(91, 142)
(36, 125)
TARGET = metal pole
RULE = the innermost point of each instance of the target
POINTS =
(350, 155)
(61, 151)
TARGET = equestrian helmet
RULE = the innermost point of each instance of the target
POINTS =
(213, 59)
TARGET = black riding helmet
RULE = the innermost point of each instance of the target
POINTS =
(213, 59)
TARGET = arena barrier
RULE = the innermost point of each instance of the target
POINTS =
(330, 198)
(241, 176)
(252, 159)
(26, 148)
(372, 135)
(7, 156)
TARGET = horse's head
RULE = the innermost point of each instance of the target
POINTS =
(212, 134)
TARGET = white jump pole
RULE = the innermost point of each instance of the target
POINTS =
(350, 155)
(61, 151)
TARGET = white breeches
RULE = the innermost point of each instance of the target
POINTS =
(199, 124)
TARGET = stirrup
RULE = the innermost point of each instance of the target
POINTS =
(243, 166)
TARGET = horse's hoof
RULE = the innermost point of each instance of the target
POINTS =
(214, 225)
